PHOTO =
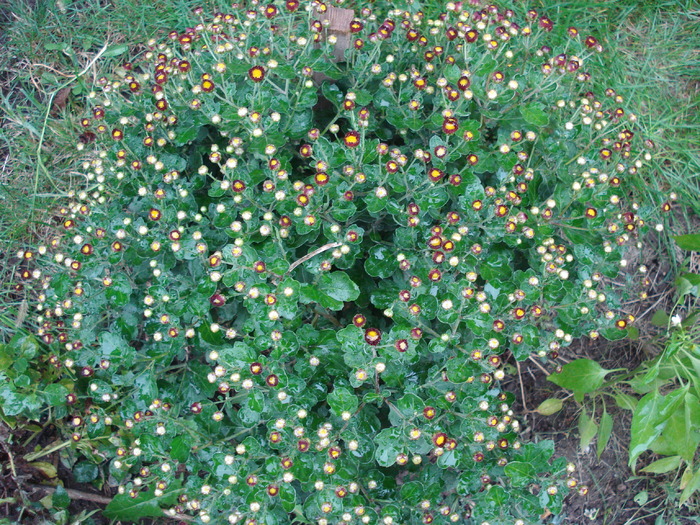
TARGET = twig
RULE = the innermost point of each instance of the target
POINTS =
(76, 494)
(328, 317)
(663, 296)
(313, 254)
(54, 70)
(22, 313)
(9, 456)
(46, 451)
(102, 500)
(539, 365)
(522, 388)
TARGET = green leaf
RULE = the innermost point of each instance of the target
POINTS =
(60, 498)
(604, 432)
(288, 497)
(626, 401)
(412, 492)
(180, 448)
(356, 353)
(342, 210)
(56, 47)
(497, 266)
(649, 420)
(145, 505)
(660, 319)
(587, 429)
(339, 286)
(432, 198)
(24, 345)
(613, 333)
(641, 498)
(248, 416)
(380, 262)
(85, 472)
(115, 50)
(308, 293)
(581, 376)
(688, 284)
(680, 437)
(395, 117)
(55, 394)
(496, 496)
(459, 370)
(692, 485)
(661, 466)
(535, 114)
(116, 349)
(342, 400)
(538, 454)
(550, 406)
(10, 401)
(692, 278)
(255, 401)
(688, 242)
(332, 93)
(388, 443)
(410, 405)
(488, 66)
(520, 473)
(633, 333)
(452, 73)
(300, 124)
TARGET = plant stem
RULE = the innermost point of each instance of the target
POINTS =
(46, 451)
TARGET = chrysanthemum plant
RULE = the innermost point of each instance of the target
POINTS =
(304, 253)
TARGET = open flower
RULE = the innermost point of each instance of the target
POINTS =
(256, 73)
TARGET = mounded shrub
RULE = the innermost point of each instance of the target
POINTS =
(305, 252)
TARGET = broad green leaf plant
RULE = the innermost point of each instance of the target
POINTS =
(286, 291)
(663, 393)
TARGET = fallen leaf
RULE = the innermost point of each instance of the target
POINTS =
(60, 101)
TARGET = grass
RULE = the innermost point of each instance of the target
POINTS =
(653, 50)
(660, 53)
(47, 63)
(654, 47)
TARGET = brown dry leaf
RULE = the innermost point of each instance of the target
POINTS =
(46, 468)
(60, 101)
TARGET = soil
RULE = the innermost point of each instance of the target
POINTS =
(24, 484)
(610, 499)
(616, 496)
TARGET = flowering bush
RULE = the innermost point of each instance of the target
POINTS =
(304, 252)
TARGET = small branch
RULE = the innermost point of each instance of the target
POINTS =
(539, 365)
(11, 459)
(663, 296)
(328, 317)
(46, 451)
(522, 388)
(22, 313)
(54, 70)
(76, 494)
(314, 253)
(102, 500)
